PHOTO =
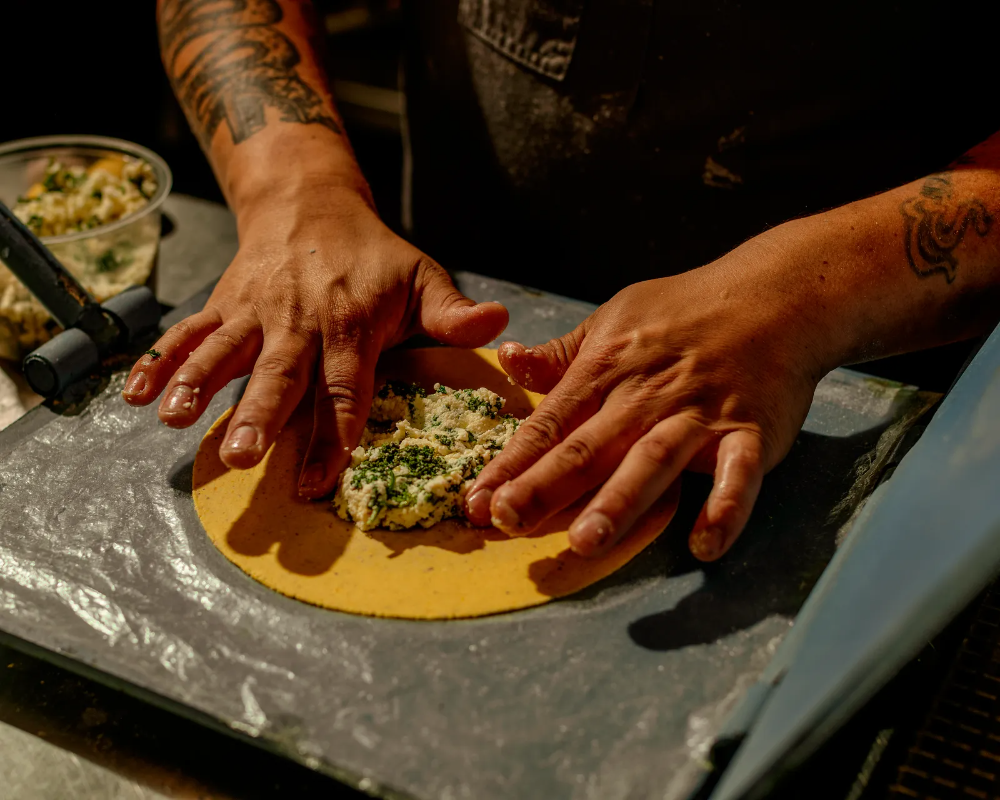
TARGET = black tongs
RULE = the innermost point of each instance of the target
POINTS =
(93, 332)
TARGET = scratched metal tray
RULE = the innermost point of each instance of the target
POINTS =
(613, 693)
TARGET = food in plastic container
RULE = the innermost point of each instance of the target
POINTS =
(96, 204)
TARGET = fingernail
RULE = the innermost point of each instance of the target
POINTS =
(477, 504)
(180, 399)
(312, 477)
(243, 438)
(137, 384)
(707, 544)
(593, 532)
(505, 517)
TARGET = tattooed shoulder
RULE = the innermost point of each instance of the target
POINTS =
(936, 223)
(236, 66)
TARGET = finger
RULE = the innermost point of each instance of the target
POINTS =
(151, 372)
(540, 368)
(557, 416)
(587, 458)
(343, 400)
(226, 353)
(276, 386)
(739, 472)
(445, 314)
(653, 463)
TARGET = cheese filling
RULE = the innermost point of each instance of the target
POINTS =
(420, 454)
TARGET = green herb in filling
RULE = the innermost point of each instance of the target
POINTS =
(478, 405)
(108, 261)
(407, 391)
(417, 462)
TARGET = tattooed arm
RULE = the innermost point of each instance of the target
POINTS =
(714, 370)
(320, 286)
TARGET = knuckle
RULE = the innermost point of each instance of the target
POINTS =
(654, 449)
(341, 396)
(613, 501)
(344, 335)
(576, 453)
(545, 428)
(297, 319)
(746, 459)
(226, 339)
(181, 331)
(727, 508)
(562, 350)
(283, 366)
(429, 270)
(602, 361)
(192, 374)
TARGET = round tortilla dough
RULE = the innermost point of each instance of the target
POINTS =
(304, 550)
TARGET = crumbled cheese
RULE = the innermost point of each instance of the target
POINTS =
(420, 454)
(72, 199)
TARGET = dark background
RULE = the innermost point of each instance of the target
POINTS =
(94, 68)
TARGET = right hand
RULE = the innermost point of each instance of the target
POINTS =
(319, 288)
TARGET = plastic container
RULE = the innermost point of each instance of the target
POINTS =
(106, 259)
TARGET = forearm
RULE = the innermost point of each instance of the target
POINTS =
(253, 89)
(914, 267)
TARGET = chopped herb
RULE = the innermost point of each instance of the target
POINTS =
(51, 182)
(400, 389)
(417, 462)
(35, 222)
(108, 261)
(97, 194)
(479, 405)
(153, 354)
(441, 389)
(407, 391)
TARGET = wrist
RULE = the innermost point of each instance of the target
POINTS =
(287, 170)
(289, 211)
(792, 290)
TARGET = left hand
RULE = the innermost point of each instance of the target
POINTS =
(713, 371)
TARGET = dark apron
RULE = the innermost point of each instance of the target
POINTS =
(582, 145)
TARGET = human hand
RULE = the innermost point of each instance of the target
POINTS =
(709, 371)
(319, 288)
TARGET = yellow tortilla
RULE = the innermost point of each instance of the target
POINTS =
(304, 550)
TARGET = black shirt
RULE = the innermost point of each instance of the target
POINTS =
(582, 145)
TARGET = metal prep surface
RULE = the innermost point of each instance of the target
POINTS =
(613, 693)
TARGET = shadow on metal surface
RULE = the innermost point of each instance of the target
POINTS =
(773, 566)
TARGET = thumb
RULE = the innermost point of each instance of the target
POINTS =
(445, 314)
(540, 368)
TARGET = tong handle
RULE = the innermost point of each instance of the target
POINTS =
(56, 289)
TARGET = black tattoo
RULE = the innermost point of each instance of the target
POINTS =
(935, 225)
(240, 66)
